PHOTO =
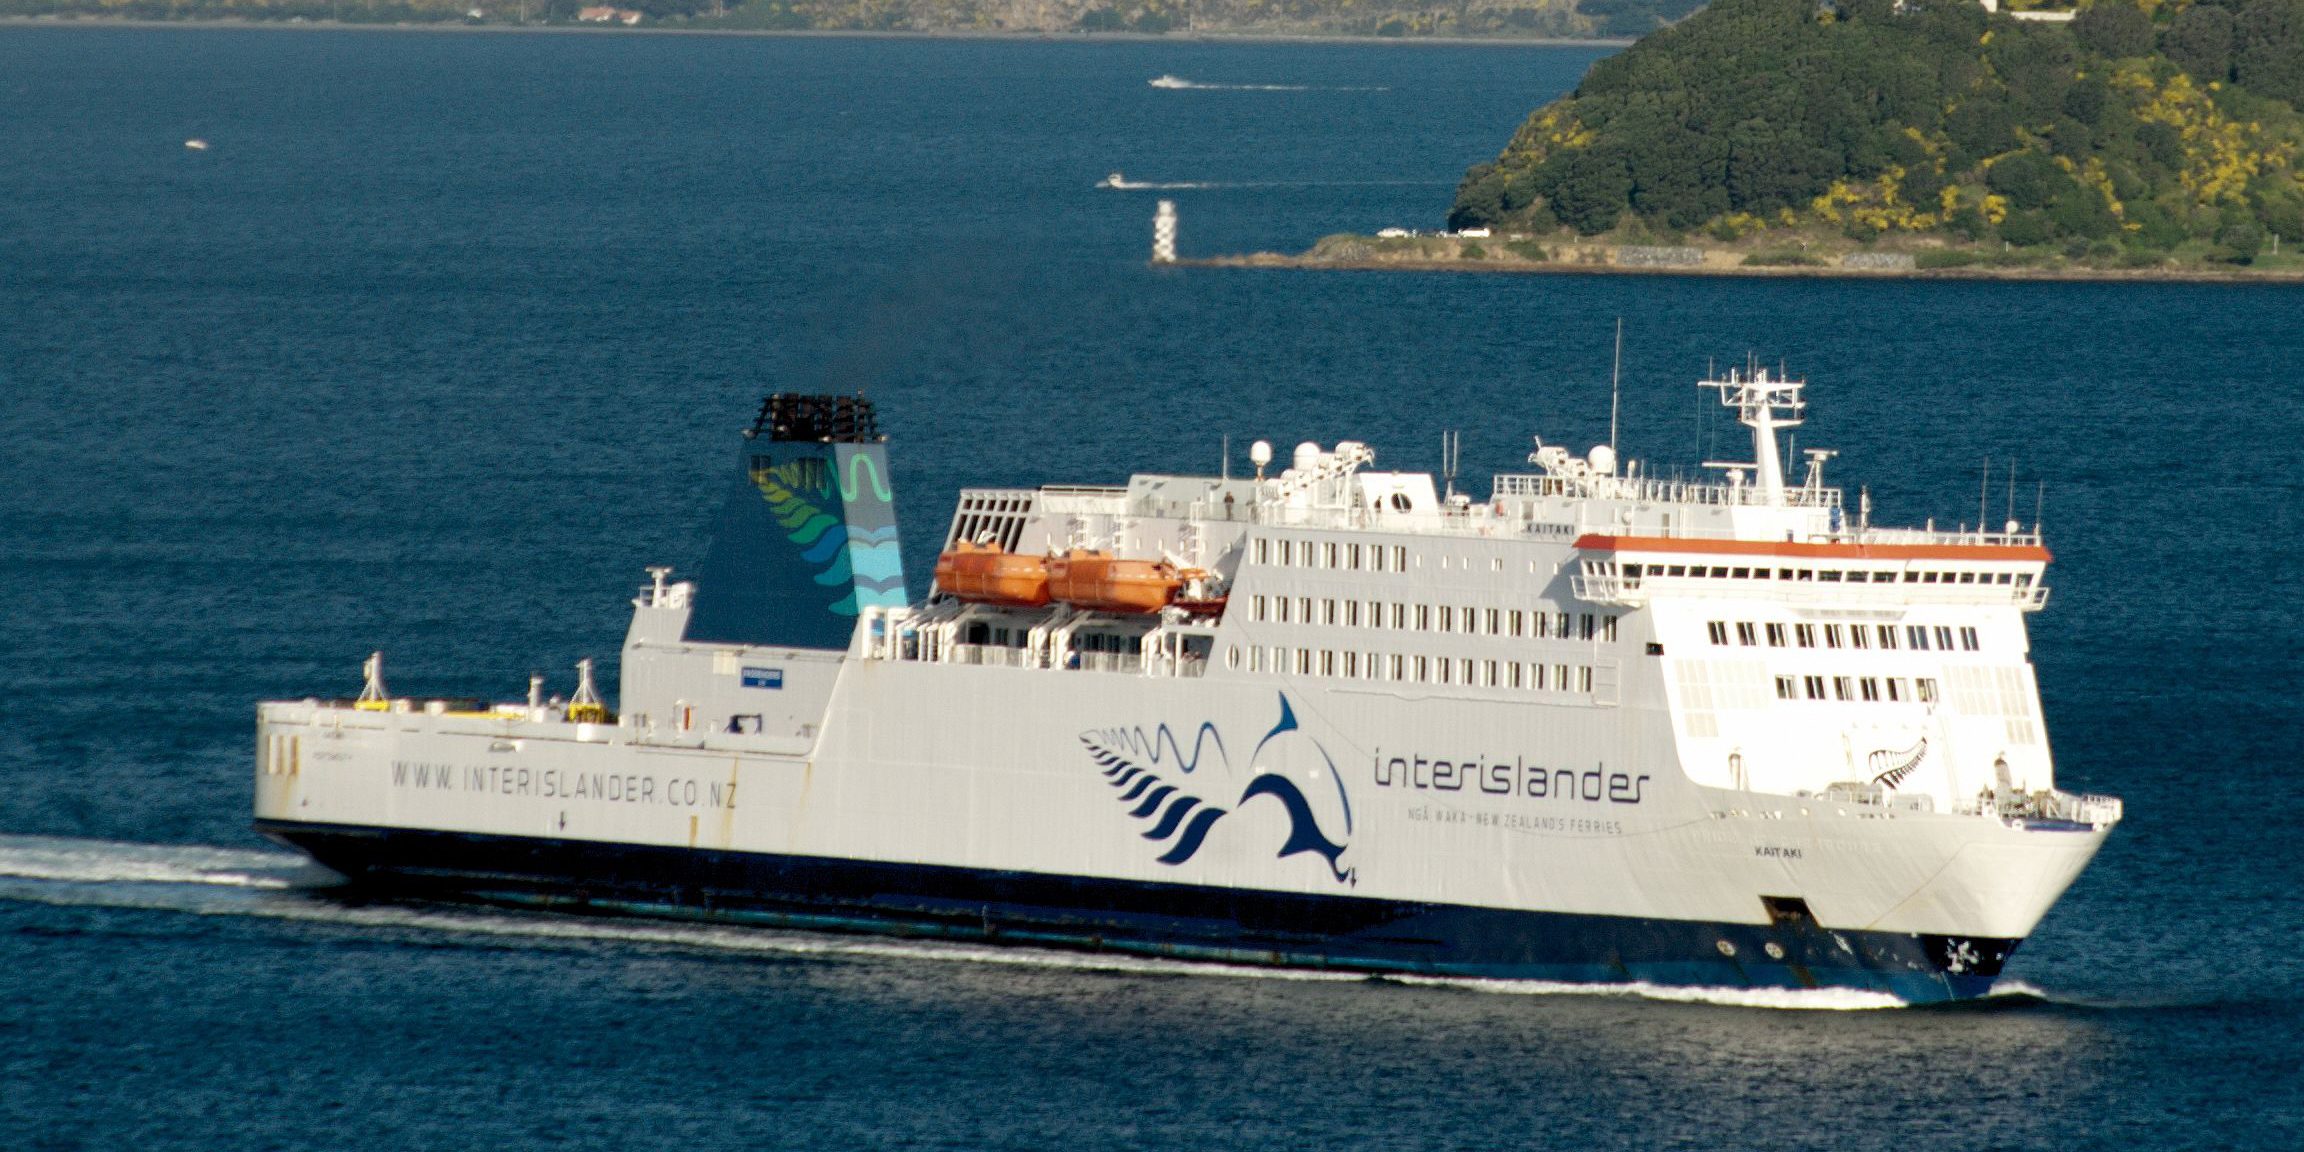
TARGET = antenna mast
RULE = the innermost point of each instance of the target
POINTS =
(1615, 386)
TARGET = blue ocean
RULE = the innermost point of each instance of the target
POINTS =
(441, 340)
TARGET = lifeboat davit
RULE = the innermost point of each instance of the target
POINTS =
(984, 574)
(1098, 581)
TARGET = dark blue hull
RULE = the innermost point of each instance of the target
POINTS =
(1237, 926)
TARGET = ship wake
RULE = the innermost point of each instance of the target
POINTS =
(209, 880)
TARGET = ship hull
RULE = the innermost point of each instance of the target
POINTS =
(1194, 922)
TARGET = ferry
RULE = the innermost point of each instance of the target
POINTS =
(1601, 726)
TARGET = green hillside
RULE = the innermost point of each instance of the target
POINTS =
(2133, 133)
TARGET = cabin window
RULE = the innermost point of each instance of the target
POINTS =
(1355, 557)
(1399, 666)
(1351, 613)
(1495, 617)
(1256, 608)
(1399, 617)
(1328, 612)
(1967, 577)
(1487, 674)
(1584, 679)
(1304, 609)
(1859, 636)
(1943, 638)
(1775, 635)
(1786, 689)
(1968, 640)
(1718, 630)
(1327, 662)
(1833, 637)
(1739, 573)
(1287, 552)
(1828, 576)
(1263, 550)
(1352, 665)
(1423, 669)
(1279, 659)
(1813, 687)
(1306, 555)
(1917, 636)
(1517, 620)
(1888, 637)
(1843, 688)
(1328, 555)
(1376, 557)
(1805, 634)
(1447, 618)
(1281, 603)
(1927, 690)
(1747, 633)
(1560, 628)
(1675, 570)
(1255, 659)
(1536, 680)
(1560, 677)
(1608, 629)
(1928, 577)
(1870, 687)
(1587, 626)
(1911, 577)
(1896, 689)
(1231, 657)
(1399, 557)
(1303, 661)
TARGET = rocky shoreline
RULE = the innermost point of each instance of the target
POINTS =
(1474, 253)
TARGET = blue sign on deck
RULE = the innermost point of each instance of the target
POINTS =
(763, 677)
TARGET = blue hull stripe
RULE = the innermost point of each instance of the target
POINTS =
(1243, 926)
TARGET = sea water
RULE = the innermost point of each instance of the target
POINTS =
(443, 337)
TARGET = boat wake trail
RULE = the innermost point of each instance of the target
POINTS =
(1178, 83)
(1120, 183)
(286, 886)
(63, 860)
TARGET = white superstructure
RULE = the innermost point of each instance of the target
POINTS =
(1600, 725)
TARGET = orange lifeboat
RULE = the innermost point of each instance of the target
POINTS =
(984, 574)
(1098, 581)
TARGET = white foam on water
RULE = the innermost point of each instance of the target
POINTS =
(1179, 84)
(1799, 999)
(62, 859)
